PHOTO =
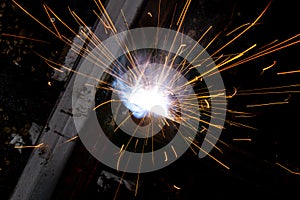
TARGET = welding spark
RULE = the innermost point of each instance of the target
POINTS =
(268, 104)
(288, 72)
(148, 91)
(176, 187)
(242, 139)
(145, 94)
(33, 146)
(287, 169)
(266, 68)
(24, 38)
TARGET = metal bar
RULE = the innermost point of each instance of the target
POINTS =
(46, 163)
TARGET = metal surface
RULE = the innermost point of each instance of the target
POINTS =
(46, 164)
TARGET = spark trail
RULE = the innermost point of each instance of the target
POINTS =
(154, 96)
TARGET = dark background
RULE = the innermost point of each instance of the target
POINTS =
(26, 97)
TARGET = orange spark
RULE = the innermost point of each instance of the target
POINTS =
(71, 139)
(176, 187)
(23, 37)
(215, 159)
(34, 146)
(242, 139)
(267, 104)
(287, 169)
(288, 72)
(266, 68)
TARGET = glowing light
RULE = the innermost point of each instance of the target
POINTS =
(143, 101)
(145, 93)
